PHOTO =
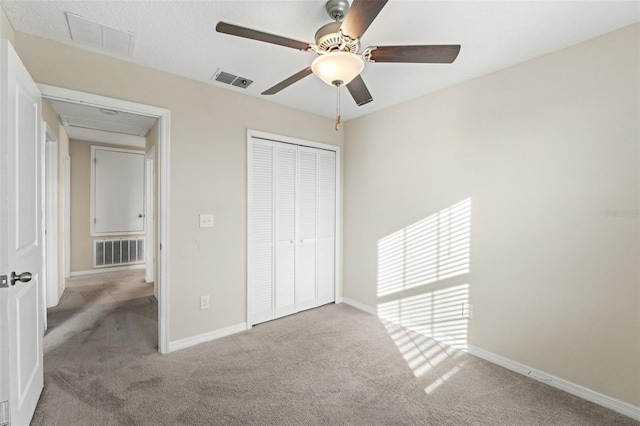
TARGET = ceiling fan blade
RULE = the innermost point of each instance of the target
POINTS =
(235, 30)
(426, 54)
(360, 15)
(288, 81)
(359, 91)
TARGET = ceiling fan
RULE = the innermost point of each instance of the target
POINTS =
(337, 45)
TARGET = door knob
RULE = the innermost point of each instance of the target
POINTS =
(140, 215)
(24, 277)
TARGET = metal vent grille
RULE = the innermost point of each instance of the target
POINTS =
(100, 36)
(225, 77)
(234, 80)
(118, 252)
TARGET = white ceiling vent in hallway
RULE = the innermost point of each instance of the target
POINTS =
(100, 36)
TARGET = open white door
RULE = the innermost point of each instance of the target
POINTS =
(21, 242)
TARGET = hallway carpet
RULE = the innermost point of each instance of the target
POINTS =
(332, 365)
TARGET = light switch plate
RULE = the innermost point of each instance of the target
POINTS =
(206, 221)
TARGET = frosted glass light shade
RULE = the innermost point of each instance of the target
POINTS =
(336, 67)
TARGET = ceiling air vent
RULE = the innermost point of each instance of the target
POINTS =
(225, 77)
(234, 80)
(91, 33)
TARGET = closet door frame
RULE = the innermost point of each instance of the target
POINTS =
(256, 134)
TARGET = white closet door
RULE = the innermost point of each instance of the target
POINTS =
(261, 224)
(286, 160)
(306, 275)
(118, 192)
(326, 226)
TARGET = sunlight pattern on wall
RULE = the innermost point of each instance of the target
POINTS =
(438, 314)
(428, 324)
(430, 250)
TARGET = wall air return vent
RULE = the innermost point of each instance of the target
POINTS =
(118, 252)
(234, 80)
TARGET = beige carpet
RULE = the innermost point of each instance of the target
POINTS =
(331, 365)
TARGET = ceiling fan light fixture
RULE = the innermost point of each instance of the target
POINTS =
(337, 68)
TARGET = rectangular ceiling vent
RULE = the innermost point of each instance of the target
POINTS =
(91, 33)
(234, 80)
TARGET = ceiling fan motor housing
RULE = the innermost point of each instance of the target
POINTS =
(337, 9)
(329, 38)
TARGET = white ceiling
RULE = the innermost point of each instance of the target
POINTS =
(179, 37)
(93, 124)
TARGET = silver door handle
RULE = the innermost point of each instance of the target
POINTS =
(140, 215)
(24, 277)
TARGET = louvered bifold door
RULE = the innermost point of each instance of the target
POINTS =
(285, 267)
(261, 232)
(326, 226)
(306, 266)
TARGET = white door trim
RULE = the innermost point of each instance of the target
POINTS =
(51, 218)
(338, 224)
(67, 216)
(149, 214)
(164, 136)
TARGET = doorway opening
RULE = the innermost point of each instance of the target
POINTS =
(137, 255)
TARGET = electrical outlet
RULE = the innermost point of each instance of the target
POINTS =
(204, 302)
(467, 310)
(206, 221)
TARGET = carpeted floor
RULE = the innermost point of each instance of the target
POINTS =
(331, 365)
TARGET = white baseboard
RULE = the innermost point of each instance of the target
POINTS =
(361, 306)
(577, 390)
(206, 337)
(107, 270)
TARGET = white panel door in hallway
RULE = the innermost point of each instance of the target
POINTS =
(21, 238)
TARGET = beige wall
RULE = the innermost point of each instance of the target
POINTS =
(63, 151)
(81, 240)
(50, 117)
(208, 169)
(6, 30)
(542, 149)
(151, 140)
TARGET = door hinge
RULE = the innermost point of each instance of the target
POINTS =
(95, 160)
(4, 281)
(4, 413)
(94, 220)
(160, 246)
